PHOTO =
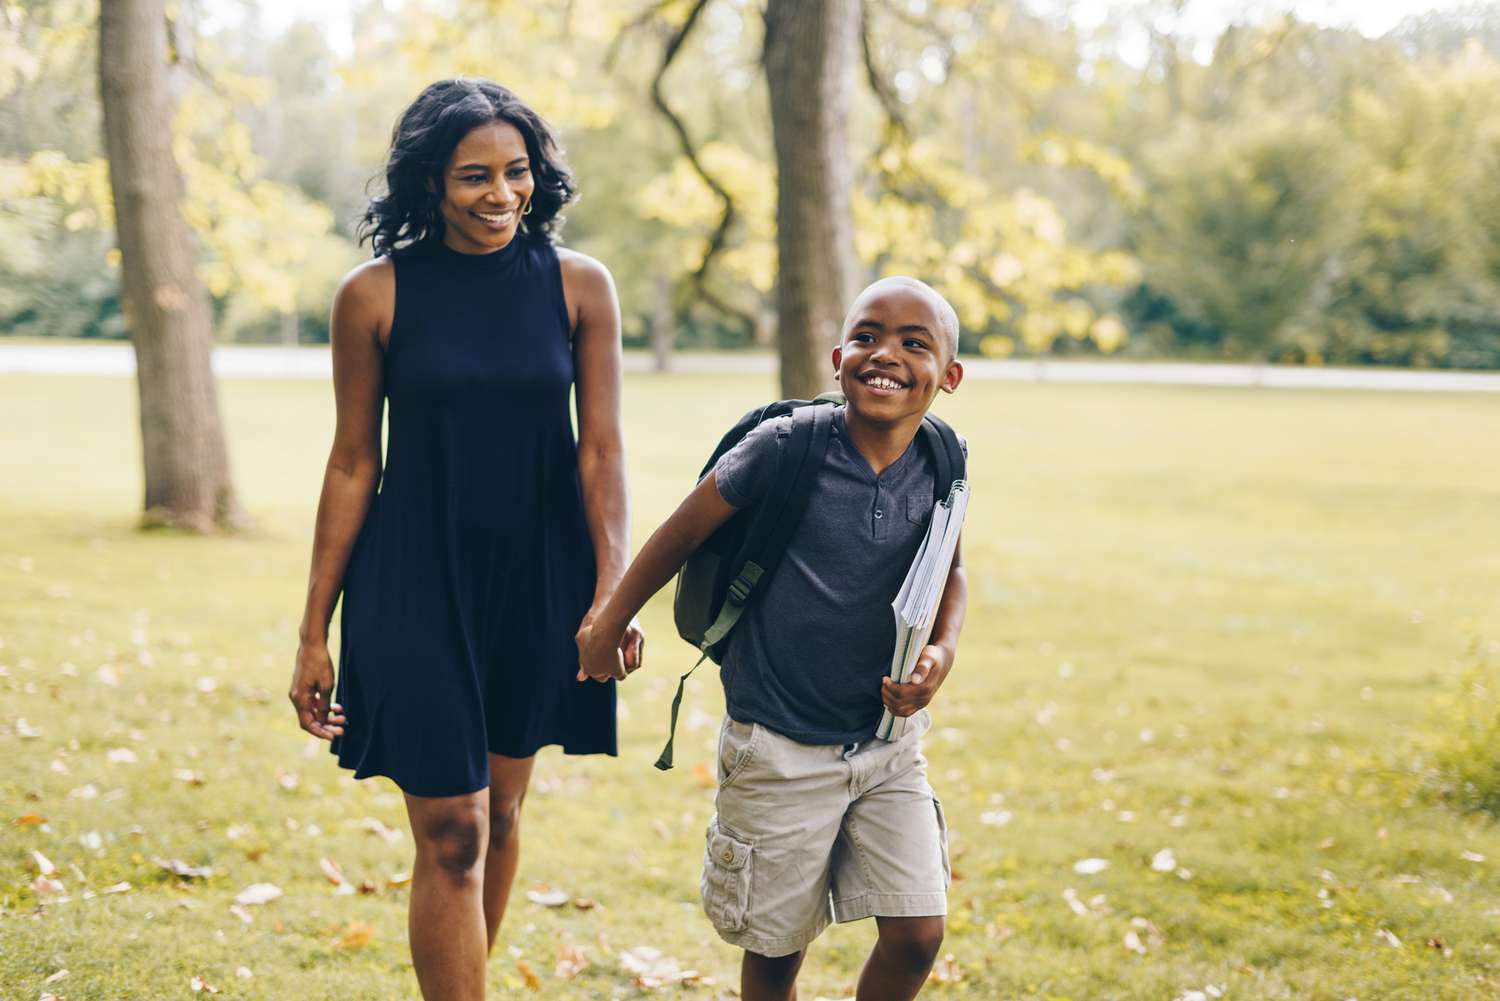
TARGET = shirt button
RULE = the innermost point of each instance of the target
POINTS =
(728, 856)
(879, 513)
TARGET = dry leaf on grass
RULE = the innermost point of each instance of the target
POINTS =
(179, 868)
(47, 888)
(397, 879)
(121, 756)
(546, 896)
(201, 986)
(241, 913)
(29, 819)
(44, 865)
(570, 962)
(1164, 860)
(243, 972)
(387, 834)
(59, 975)
(258, 893)
(1090, 866)
(335, 875)
(533, 982)
(356, 935)
(652, 968)
(1142, 936)
(947, 970)
(584, 904)
(1388, 937)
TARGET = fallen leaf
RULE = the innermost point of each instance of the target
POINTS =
(29, 819)
(547, 897)
(947, 970)
(356, 935)
(45, 887)
(584, 904)
(258, 893)
(995, 818)
(1090, 866)
(199, 985)
(533, 982)
(397, 879)
(367, 887)
(59, 975)
(43, 864)
(241, 913)
(331, 871)
(570, 962)
(243, 972)
(1472, 857)
(1388, 937)
(652, 968)
(121, 756)
(117, 888)
(1164, 860)
(387, 834)
(1070, 897)
(177, 867)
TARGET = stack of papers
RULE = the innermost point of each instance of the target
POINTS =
(916, 604)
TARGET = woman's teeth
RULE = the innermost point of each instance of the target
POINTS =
(496, 218)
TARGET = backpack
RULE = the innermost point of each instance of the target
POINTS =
(722, 577)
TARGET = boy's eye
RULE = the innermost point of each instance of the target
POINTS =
(912, 342)
(863, 338)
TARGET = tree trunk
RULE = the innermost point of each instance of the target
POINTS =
(166, 308)
(663, 326)
(809, 61)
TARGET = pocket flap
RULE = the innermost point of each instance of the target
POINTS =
(726, 852)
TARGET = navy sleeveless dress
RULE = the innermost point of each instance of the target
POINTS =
(474, 565)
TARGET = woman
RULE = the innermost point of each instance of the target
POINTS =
(493, 538)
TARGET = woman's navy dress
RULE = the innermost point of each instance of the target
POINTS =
(474, 565)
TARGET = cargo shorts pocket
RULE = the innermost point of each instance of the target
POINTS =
(725, 885)
(942, 824)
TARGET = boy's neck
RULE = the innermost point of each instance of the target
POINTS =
(880, 443)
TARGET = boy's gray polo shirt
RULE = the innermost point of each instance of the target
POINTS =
(808, 658)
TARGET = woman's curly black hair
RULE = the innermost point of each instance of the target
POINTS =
(409, 211)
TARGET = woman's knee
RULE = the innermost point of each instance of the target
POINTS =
(453, 839)
(505, 815)
(912, 942)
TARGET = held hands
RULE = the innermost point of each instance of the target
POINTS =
(312, 687)
(602, 657)
(926, 677)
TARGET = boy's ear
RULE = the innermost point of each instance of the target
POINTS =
(838, 356)
(953, 376)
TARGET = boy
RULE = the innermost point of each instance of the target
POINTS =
(816, 819)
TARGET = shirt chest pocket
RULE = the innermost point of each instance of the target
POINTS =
(918, 508)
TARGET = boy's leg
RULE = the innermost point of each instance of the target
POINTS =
(902, 958)
(770, 978)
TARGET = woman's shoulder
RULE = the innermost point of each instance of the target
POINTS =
(373, 280)
(580, 267)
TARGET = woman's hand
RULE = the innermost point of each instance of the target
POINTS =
(312, 688)
(601, 657)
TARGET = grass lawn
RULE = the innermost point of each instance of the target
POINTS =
(1208, 632)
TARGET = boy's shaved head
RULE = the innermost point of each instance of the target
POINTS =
(947, 317)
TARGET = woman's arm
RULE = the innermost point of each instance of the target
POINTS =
(595, 313)
(362, 311)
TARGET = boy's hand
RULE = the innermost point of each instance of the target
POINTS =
(926, 677)
(601, 659)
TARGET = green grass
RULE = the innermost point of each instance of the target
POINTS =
(1205, 620)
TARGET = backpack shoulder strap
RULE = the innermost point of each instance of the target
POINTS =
(947, 454)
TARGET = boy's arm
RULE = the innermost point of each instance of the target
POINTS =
(936, 659)
(695, 519)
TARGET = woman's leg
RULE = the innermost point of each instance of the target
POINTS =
(902, 958)
(509, 778)
(446, 920)
(764, 978)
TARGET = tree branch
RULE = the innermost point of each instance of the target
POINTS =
(720, 235)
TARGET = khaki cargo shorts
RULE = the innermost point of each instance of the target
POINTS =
(806, 834)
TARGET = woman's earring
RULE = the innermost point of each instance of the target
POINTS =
(527, 209)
